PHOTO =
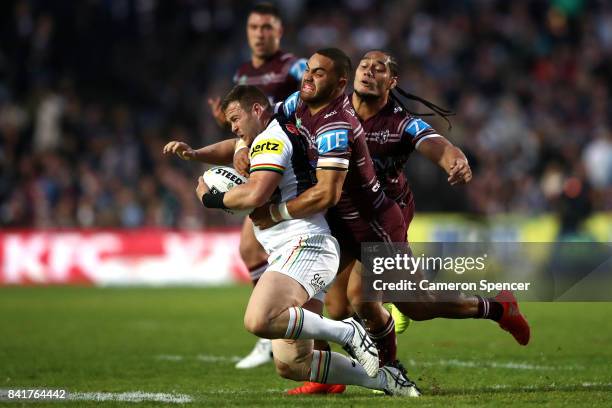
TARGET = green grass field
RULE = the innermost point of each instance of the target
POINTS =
(184, 341)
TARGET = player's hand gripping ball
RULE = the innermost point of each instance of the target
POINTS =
(221, 179)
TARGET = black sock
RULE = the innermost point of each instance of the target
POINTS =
(489, 308)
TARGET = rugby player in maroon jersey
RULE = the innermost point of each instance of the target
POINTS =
(347, 184)
(277, 74)
(392, 134)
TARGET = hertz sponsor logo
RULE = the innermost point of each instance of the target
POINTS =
(268, 146)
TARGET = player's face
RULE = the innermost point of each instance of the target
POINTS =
(264, 32)
(319, 81)
(373, 76)
(244, 124)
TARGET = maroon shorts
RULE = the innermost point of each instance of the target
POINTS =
(408, 210)
(387, 225)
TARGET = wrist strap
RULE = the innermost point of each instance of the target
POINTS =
(270, 208)
(240, 145)
(213, 200)
(284, 212)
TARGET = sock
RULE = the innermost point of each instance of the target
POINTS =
(328, 367)
(489, 308)
(386, 343)
(304, 324)
(256, 271)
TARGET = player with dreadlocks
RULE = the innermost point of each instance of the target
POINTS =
(392, 134)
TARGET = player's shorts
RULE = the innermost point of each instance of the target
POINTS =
(387, 226)
(405, 199)
(312, 260)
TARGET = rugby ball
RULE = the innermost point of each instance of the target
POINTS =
(221, 179)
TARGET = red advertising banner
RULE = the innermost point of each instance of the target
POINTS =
(136, 257)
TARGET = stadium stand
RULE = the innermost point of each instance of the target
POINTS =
(90, 92)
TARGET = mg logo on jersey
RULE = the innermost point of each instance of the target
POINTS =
(333, 140)
(381, 136)
(329, 114)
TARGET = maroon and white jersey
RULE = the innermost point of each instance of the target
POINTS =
(340, 141)
(392, 135)
(278, 77)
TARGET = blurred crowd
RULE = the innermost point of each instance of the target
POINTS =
(90, 91)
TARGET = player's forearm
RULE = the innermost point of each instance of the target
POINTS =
(449, 157)
(312, 201)
(221, 153)
(440, 151)
(245, 196)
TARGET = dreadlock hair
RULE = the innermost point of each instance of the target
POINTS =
(396, 92)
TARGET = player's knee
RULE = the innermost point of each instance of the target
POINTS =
(257, 324)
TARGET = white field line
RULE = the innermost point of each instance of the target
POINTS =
(206, 358)
(514, 365)
(132, 396)
(543, 387)
(169, 357)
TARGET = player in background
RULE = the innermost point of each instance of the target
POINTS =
(303, 255)
(277, 74)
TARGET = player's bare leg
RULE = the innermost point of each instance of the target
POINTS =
(256, 261)
(336, 302)
(275, 311)
(427, 305)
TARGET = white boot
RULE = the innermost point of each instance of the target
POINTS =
(261, 354)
